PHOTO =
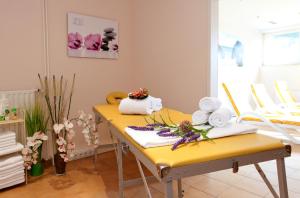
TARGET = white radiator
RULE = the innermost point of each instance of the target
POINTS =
(21, 99)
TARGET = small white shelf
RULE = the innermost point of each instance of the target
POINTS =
(16, 121)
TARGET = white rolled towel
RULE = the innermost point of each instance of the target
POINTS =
(220, 117)
(144, 107)
(209, 104)
(200, 117)
(156, 103)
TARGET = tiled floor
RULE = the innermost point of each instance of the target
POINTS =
(83, 180)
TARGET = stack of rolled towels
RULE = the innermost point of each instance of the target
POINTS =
(137, 106)
(11, 165)
(211, 112)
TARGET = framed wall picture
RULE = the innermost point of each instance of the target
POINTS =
(92, 37)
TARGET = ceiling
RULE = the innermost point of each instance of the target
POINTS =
(262, 15)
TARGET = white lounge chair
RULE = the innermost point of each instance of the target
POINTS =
(266, 105)
(279, 122)
(284, 94)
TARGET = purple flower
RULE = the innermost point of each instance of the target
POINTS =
(188, 134)
(166, 134)
(74, 40)
(181, 141)
(93, 42)
(141, 128)
(194, 137)
(163, 131)
(156, 125)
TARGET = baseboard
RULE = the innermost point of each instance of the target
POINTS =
(88, 152)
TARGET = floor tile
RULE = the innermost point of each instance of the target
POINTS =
(235, 192)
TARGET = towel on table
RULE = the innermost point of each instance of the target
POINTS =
(209, 104)
(220, 117)
(230, 129)
(156, 103)
(200, 117)
(148, 139)
(11, 149)
(144, 107)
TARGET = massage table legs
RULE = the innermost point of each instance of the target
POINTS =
(282, 178)
(120, 169)
(169, 189)
(179, 188)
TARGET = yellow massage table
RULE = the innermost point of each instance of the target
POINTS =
(193, 158)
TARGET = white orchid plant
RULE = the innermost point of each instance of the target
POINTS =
(65, 134)
(30, 151)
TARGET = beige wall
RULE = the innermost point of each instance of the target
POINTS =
(171, 50)
(22, 51)
(164, 45)
(21, 38)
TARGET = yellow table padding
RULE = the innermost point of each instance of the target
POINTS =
(192, 152)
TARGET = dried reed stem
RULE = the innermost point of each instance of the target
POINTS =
(70, 97)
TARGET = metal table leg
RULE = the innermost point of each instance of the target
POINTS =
(282, 178)
(120, 169)
(179, 187)
(169, 189)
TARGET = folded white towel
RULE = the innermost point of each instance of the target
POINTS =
(11, 166)
(11, 149)
(12, 183)
(10, 159)
(7, 134)
(148, 139)
(7, 140)
(230, 129)
(12, 170)
(200, 117)
(12, 177)
(4, 145)
(220, 117)
(209, 104)
(144, 107)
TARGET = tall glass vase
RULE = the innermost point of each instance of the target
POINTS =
(60, 164)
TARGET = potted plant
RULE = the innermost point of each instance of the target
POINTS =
(36, 127)
(58, 103)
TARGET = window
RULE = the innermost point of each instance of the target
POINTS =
(282, 48)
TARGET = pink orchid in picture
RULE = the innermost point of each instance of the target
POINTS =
(74, 40)
(93, 42)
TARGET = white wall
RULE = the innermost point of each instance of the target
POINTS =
(288, 73)
(232, 22)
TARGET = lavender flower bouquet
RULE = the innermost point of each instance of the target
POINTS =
(185, 129)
